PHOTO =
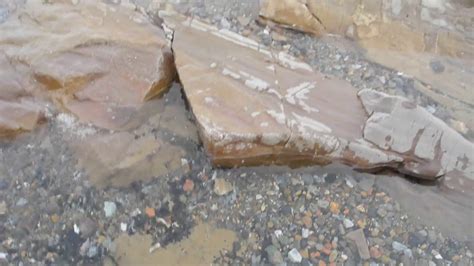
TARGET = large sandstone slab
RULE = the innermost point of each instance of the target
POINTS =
(97, 61)
(257, 106)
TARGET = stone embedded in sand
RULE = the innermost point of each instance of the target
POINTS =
(97, 61)
(119, 159)
(256, 106)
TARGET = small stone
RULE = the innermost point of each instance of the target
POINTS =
(375, 253)
(295, 256)
(307, 221)
(456, 258)
(109, 208)
(348, 223)
(188, 185)
(333, 256)
(274, 255)
(358, 237)
(123, 227)
(437, 66)
(92, 251)
(323, 204)
(398, 247)
(21, 202)
(381, 212)
(436, 255)
(361, 208)
(87, 227)
(77, 230)
(3, 208)
(54, 218)
(375, 232)
(222, 187)
(150, 212)
(334, 207)
(305, 232)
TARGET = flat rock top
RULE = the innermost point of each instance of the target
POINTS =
(243, 90)
(99, 62)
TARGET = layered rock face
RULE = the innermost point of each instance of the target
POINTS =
(97, 61)
(258, 106)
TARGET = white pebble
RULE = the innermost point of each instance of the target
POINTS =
(123, 227)
(295, 256)
(348, 223)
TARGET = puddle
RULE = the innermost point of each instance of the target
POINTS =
(202, 247)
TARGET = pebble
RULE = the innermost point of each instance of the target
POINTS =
(348, 223)
(398, 247)
(222, 187)
(436, 255)
(109, 208)
(87, 227)
(123, 227)
(333, 256)
(361, 242)
(77, 230)
(92, 251)
(375, 253)
(334, 207)
(188, 185)
(274, 255)
(3, 208)
(150, 212)
(21, 202)
(305, 232)
(323, 204)
(295, 256)
(437, 66)
(381, 212)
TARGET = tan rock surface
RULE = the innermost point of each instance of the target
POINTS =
(97, 61)
(256, 106)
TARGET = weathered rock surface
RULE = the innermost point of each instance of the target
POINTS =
(97, 61)
(403, 35)
(399, 25)
(257, 106)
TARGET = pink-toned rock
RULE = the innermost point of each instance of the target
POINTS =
(256, 106)
(17, 117)
(97, 61)
(18, 112)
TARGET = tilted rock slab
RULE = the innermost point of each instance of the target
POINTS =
(257, 106)
(97, 61)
